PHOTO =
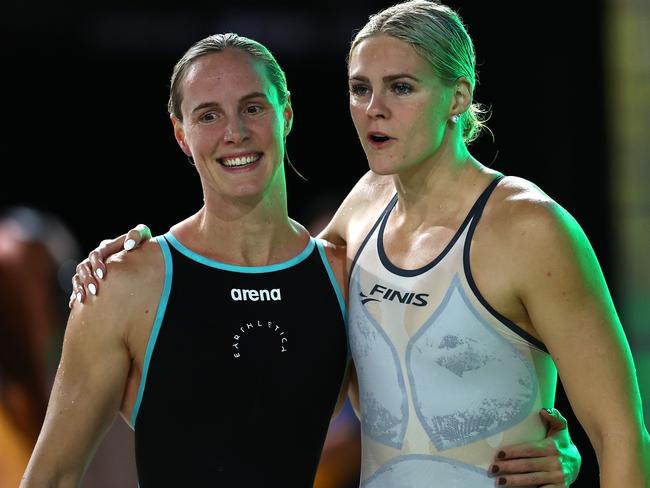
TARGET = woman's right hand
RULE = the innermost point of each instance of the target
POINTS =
(92, 270)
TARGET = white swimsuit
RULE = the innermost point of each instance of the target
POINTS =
(444, 379)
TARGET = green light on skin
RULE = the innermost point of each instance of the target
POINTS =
(635, 313)
(643, 374)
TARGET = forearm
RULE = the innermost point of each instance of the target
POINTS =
(624, 461)
(49, 478)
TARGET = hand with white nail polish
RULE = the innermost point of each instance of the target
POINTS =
(84, 282)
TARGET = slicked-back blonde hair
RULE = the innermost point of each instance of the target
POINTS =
(438, 34)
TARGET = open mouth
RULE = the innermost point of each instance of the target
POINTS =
(240, 161)
(379, 138)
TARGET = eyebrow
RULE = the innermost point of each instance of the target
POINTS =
(387, 78)
(245, 98)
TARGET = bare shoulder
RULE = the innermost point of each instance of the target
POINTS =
(370, 192)
(529, 224)
(518, 205)
(134, 284)
(334, 252)
(370, 188)
(97, 357)
(139, 267)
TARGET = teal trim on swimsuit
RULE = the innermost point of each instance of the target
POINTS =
(339, 296)
(160, 313)
(241, 269)
(335, 284)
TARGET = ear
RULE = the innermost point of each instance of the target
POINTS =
(287, 114)
(461, 97)
(179, 134)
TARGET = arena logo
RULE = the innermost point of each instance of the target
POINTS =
(385, 293)
(277, 333)
(242, 295)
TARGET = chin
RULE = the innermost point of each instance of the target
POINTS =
(251, 193)
(382, 168)
(244, 191)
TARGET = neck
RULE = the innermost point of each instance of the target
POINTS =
(251, 231)
(441, 184)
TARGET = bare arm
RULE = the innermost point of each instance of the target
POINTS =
(85, 398)
(553, 461)
(93, 269)
(570, 308)
(556, 457)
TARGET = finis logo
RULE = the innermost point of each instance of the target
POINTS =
(384, 293)
(240, 295)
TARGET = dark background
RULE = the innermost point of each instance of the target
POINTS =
(86, 133)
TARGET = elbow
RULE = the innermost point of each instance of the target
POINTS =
(643, 454)
(623, 457)
(37, 478)
(625, 434)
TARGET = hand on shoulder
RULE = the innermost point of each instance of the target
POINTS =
(92, 270)
(134, 278)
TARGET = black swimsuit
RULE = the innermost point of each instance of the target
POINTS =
(242, 372)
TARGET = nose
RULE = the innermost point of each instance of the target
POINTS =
(235, 131)
(377, 107)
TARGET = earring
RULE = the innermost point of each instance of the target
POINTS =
(190, 160)
(454, 118)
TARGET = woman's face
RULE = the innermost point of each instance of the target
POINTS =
(399, 106)
(233, 125)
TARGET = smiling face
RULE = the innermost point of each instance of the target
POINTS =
(233, 125)
(399, 106)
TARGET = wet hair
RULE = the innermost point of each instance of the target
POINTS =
(438, 34)
(215, 44)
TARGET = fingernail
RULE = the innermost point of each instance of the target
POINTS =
(92, 289)
(502, 481)
(99, 273)
(79, 297)
(494, 469)
(549, 411)
(129, 244)
(501, 454)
